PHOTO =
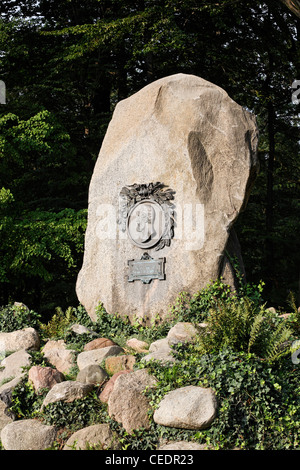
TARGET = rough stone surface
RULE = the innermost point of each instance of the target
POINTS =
(182, 445)
(67, 391)
(115, 364)
(92, 374)
(58, 355)
(28, 434)
(81, 330)
(44, 377)
(98, 343)
(187, 408)
(96, 356)
(160, 345)
(162, 356)
(137, 345)
(182, 332)
(5, 418)
(104, 395)
(127, 404)
(190, 135)
(98, 436)
(26, 338)
(161, 351)
(14, 364)
(6, 392)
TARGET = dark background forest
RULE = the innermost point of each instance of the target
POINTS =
(66, 63)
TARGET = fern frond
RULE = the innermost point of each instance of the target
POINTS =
(278, 344)
(292, 302)
(255, 330)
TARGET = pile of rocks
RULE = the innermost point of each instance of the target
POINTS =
(110, 368)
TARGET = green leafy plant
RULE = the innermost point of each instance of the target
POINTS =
(120, 327)
(77, 414)
(243, 326)
(195, 307)
(109, 325)
(258, 406)
(15, 317)
(294, 317)
(25, 402)
(59, 324)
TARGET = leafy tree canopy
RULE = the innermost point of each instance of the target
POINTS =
(67, 63)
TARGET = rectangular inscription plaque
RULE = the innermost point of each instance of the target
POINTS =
(146, 269)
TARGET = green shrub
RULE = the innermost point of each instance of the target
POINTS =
(243, 326)
(17, 317)
(25, 402)
(258, 402)
(77, 414)
(59, 325)
(195, 308)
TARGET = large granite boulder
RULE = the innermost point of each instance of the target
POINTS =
(27, 338)
(127, 402)
(67, 391)
(97, 436)
(188, 407)
(174, 171)
(57, 353)
(27, 434)
(12, 366)
(44, 377)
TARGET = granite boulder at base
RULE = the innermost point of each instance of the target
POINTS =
(189, 135)
(27, 434)
(188, 407)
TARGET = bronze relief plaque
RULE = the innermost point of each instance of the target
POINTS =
(146, 269)
(146, 214)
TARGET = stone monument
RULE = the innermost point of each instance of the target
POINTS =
(174, 171)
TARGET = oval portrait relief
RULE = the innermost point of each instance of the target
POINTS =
(146, 223)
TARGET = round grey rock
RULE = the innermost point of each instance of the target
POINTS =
(92, 374)
(28, 434)
(187, 408)
(27, 338)
(67, 391)
(98, 436)
(182, 332)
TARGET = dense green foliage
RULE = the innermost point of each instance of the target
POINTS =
(16, 317)
(243, 354)
(258, 402)
(66, 63)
